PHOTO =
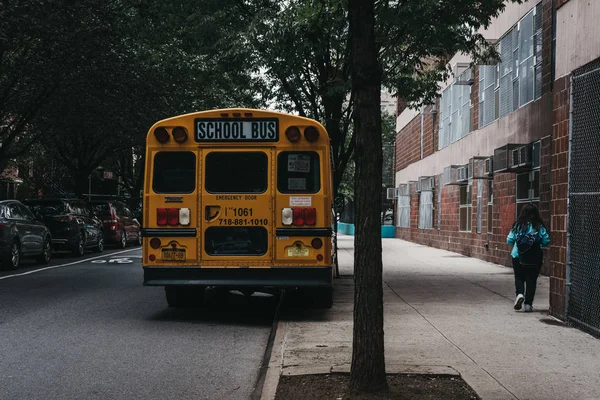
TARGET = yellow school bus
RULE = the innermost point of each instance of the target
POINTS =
(238, 199)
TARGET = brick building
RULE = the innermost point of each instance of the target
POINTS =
(498, 138)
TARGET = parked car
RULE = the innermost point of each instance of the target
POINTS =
(21, 235)
(120, 225)
(71, 223)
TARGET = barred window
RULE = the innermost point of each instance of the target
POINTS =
(490, 207)
(403, 211)
(426, 210)
(455, 111)
(465, 208)
(520, 68)
(487, 94)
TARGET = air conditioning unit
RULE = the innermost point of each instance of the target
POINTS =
(462, 174)
(521, 157)
(510, 158)
(391, 193)
(402, 190)
(426, 183)
(477, 167)
(455, 175)
(465, 77)
(488, 169)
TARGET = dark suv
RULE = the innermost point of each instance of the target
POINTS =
(21, 235)
(72, 225)
(120, 225)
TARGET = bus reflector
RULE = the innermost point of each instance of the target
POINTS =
(287, 217)
(316, 243)
(293, 134)
(184, 216)
(161, 216)
(298, 215)
(310, 216)
(311, 134)
(155, 243)
(173, 216)
(180, 134)
(161, 134)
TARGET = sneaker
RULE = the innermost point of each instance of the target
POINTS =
(528, 308)
(519, 301)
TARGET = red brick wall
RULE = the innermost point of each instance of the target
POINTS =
(560, 181)
(408, 148)
(547, 15)
(409, 138)
(491, 247)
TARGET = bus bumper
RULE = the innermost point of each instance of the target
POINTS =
(278, 277)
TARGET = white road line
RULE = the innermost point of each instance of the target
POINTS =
(66, 265)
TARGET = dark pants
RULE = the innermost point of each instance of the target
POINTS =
(526, 278)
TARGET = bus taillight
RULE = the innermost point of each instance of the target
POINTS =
(161, 216)
(173, 216)
(298, 216)
(311, 134)
(310, 216)
(287, 216)
(184, 216)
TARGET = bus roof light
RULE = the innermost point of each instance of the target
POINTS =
(173, 216)
(237, 115)
(161, 216)
(161, 134)
(247, 115)
(298, 216)
(311, 134)
(310, 216)
(180, 134)
(287, 217)
(293, 134)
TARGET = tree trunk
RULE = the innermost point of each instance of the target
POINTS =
(368, 362)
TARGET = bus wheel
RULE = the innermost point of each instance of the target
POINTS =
(323, 297)
(184, 297)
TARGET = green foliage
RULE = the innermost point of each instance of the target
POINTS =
(87, 79)
(303, 48)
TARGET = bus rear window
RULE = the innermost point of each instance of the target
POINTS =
(236, 172)
(236, 241)
(174, 172)
(298, 172)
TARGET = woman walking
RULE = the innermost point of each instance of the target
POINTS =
(528, 235)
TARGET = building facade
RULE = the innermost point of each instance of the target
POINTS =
(498, 138)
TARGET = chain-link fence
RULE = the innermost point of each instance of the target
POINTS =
(584, 197)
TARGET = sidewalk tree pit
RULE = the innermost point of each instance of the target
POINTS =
(400, 387)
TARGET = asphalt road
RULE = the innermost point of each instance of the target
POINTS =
(90, 330)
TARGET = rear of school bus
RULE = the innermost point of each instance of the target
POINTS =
(237, 199)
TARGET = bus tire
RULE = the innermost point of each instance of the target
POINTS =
(323, 298)
(184, 297)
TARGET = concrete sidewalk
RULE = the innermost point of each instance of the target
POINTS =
(446, 313)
